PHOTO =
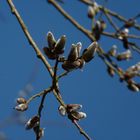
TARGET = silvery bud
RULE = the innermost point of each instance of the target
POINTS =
(137, 67)
(131, 22)
(126, 31)
(89, 53)
(78, 115)
(132, 68)
(110, 71)
(73, 107)
(73, 55)
(51, 40)
(79, 46)
(91, 12)
(41, 132)
(130, 74)
(124, 55)
(133, 87)
(98, 29)
(21, 107)
(113, 51)
(21, 100)
(62, 110)
(138, 85)
(96, 6)
(33, 122)
(60, 45)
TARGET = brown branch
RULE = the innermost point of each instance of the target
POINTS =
(39, 94)
(55, 80)
(81, 130)
(113, 35)
(63, 74)
(111, 21)
(134, 46)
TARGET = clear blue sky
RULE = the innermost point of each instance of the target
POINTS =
(113, 112)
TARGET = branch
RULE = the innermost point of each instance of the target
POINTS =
(81, 130)
(111, 21)
(38, 137)
(39, 94)
(113, 35)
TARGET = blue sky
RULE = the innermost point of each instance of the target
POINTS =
(112, 110)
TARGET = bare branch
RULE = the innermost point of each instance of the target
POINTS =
(81, 130)
(39, 94)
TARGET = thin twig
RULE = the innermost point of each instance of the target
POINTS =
(63, 74)
(40, 108)
(55, 79)
(113, 35)
(41, 105)
(39, 94)
(111, 21)
(81, 130)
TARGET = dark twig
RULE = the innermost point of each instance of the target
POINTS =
(39, 94)
(55, 79)
(40, 110)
